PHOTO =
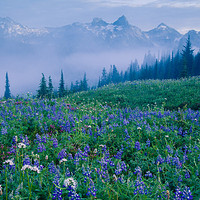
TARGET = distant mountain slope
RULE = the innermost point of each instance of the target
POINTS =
(164, 35)
(89, 37)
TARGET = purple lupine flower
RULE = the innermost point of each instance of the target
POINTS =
(187, 193)
(160, 159)
(169, 149)
(123, 166)
(36, 163)
(12, 149)
(70, 157)
(148, 174)
(52, 168)
(26, 161)
(57, 193)
(67, 174)
(72, 194)
(119, 153)
(91, 189)
(41, 147)
(197, 173)
(137, 145)
(118, 170)
(180, 179)
(87, 148)
(55, 142)
(44, 138)
(137, 170)
(62, 154)
(177, 194)
(187, 174)
(4, 131)
(38, 138)
(148, 143)
(87, 173)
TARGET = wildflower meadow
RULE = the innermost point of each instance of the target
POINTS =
(61, 149)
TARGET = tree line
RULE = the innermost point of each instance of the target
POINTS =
(181, 65)
(46, 90)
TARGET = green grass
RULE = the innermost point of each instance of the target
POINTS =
(110, 152)
(173, 93)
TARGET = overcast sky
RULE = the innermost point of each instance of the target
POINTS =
(146, 14)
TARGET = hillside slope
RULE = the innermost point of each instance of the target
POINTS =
(173, 94)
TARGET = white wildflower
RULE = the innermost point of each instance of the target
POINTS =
(15, 138)
(10, 162)
(46, 157)
(70, 182)
(26, 167)
(139, 128)
(115, 178)
(21, 145)
(1, 192)
(63, 160)
(35, 169)
(95, 151)
(101, 145)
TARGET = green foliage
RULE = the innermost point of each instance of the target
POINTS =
(43, 90)
(50, 88)
(173, 93)
(61, 89)
(7, 93)
(113, 151)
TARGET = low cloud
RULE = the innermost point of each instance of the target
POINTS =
(152, 3)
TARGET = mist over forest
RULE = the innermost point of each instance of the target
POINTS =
(80, 48)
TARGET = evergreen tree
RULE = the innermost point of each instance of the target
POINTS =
(77, 86)
(184, 72)
(7, 93)
(85, 84)
(104, 77)
(155, 74)
(187, 58)
(43, 90)
(50, 88)
(177, 65)
(72, 87)
(99, 83)
(115, 75)
(197, 64)
(61, 89)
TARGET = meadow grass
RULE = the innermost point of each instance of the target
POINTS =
(68, 149)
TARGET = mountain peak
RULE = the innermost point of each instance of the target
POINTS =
(6, 20)
(98, 22)
(121, 21)
(162, 26)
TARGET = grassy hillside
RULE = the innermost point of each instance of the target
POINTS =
(173, 93)
(67, 149)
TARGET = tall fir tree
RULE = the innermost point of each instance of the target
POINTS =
(85, 84)
(50, 88)
(103, 77)
(115, 75)
(7, 93)
(61, 89)
(72, 88)
(197, 64)
(187, 58)
(43, 90)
